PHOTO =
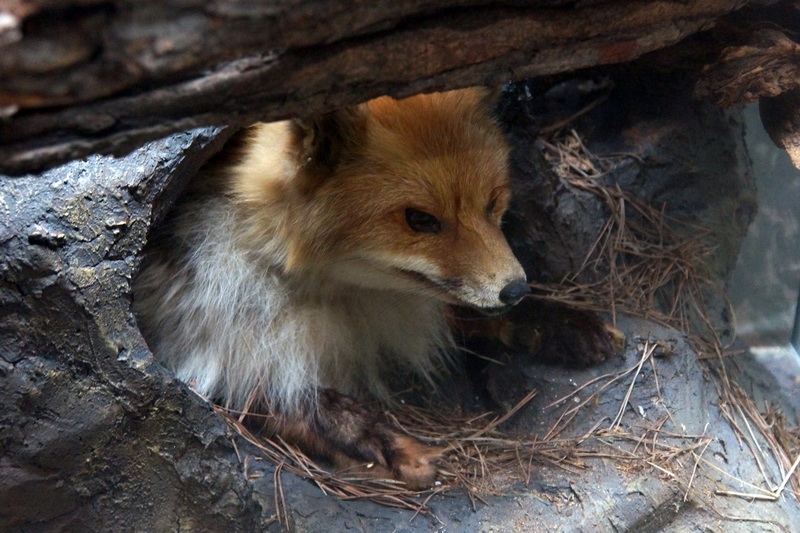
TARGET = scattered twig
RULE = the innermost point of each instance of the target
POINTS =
(647, 351)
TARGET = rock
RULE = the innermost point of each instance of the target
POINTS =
(95, 435)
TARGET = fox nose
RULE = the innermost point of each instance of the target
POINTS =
(514, 291)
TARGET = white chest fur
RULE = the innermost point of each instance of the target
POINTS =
(230, 322)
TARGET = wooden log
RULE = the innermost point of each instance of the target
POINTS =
(104, 77)
(781, 118)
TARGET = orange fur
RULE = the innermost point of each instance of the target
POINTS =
(441, 153)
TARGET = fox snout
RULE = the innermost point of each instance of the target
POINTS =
(495, 299)
(473, 266)
(509, 296)
(492, 280)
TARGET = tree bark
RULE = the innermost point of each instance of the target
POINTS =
(105, 76)
(781, 118)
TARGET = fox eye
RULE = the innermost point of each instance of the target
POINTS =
(422, 222)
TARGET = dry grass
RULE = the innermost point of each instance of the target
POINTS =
(653, 271)
(755, 427)
(646, 264)
(656, 273)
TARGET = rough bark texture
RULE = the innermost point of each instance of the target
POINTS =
(760, 66)
(64, 52)
(105, 76)
(781, 118)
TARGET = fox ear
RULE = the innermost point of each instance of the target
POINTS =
(323, 141)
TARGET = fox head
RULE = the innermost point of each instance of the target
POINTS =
(404, 195)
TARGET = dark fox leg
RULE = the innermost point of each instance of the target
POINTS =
(559, 334)
(358, 440)
(551, 332)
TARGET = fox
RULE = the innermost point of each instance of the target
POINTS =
(301, 275)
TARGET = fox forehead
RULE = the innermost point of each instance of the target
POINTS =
(442, 149)
(437, 125)
(443, 185)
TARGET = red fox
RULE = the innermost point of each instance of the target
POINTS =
(323, 259)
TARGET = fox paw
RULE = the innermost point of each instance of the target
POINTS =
(359, 441)
(558, 334)
(405, 459)
(415, 463)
